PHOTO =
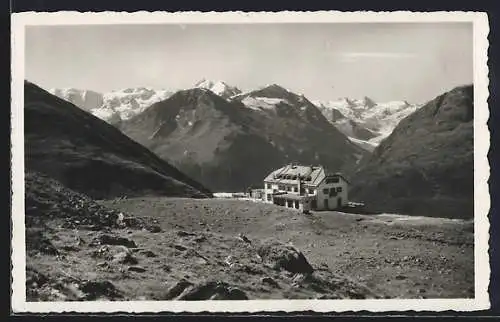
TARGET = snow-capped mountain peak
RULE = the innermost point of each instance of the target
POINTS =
(84, 99)
(365, 119)
(113, 106)
(218, 87)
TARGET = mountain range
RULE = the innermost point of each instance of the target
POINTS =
(364, 121)
(229, 145)
(228, 140)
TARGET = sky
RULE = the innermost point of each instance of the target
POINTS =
(325, 61)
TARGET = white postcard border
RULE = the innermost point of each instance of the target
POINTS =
(481, 165)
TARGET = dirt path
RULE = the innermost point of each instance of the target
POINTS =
(398, 256)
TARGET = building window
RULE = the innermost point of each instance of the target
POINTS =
(288, 188)
(333, 192)
(281, 187)
(325, 191)
(333, 180)
(312, 191)
(268, 186)
(339, 189)
(295, 189)
(268, 197)
(296, 204)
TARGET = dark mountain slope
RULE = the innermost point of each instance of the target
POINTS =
(90, 156)
(228, 146)
(426, 166)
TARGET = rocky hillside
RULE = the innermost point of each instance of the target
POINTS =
(230, 145)
(88, 155)
(78, 250)
(127, 249)
(426, 166)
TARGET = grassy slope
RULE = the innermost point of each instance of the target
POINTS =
(354, 256)
(66, 263)
(425, 167)
(419, 258)
(90, 156)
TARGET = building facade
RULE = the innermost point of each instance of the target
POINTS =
(258, 194)
(306, 188)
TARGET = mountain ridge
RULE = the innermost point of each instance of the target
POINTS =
(433, 175)
(90, 156)
(214, 139)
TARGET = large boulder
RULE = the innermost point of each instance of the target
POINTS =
(212, 290)
(286, 257)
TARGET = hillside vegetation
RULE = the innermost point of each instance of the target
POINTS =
(426, 166)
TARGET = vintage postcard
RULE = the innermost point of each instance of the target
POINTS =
(250, 162)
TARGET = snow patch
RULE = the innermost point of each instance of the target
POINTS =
(261, 103)
(116, 105)
(218, 87)
(379, 118)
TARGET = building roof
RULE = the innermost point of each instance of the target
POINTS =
(342, 176)
(309, 175)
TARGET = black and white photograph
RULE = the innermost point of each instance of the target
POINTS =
(336, 161)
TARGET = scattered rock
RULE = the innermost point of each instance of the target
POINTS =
(125, 257)
(200, 239)
(36, 241)
(401, 277)
(106, 239)
(180, 247)
(148, 253)
(285, 257)
(34, 278)
(298, 279)
(132, 222)
(213, 290)
(101, 252)
(177, 289)
(70, 248)
(244, 238)
(182, 233)
(97, 289)
(138, 269)
(250, 269)
(102, 264)
(166, 268)
(154, 229)
(229, 261)
(270, 281)
(119, 220)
